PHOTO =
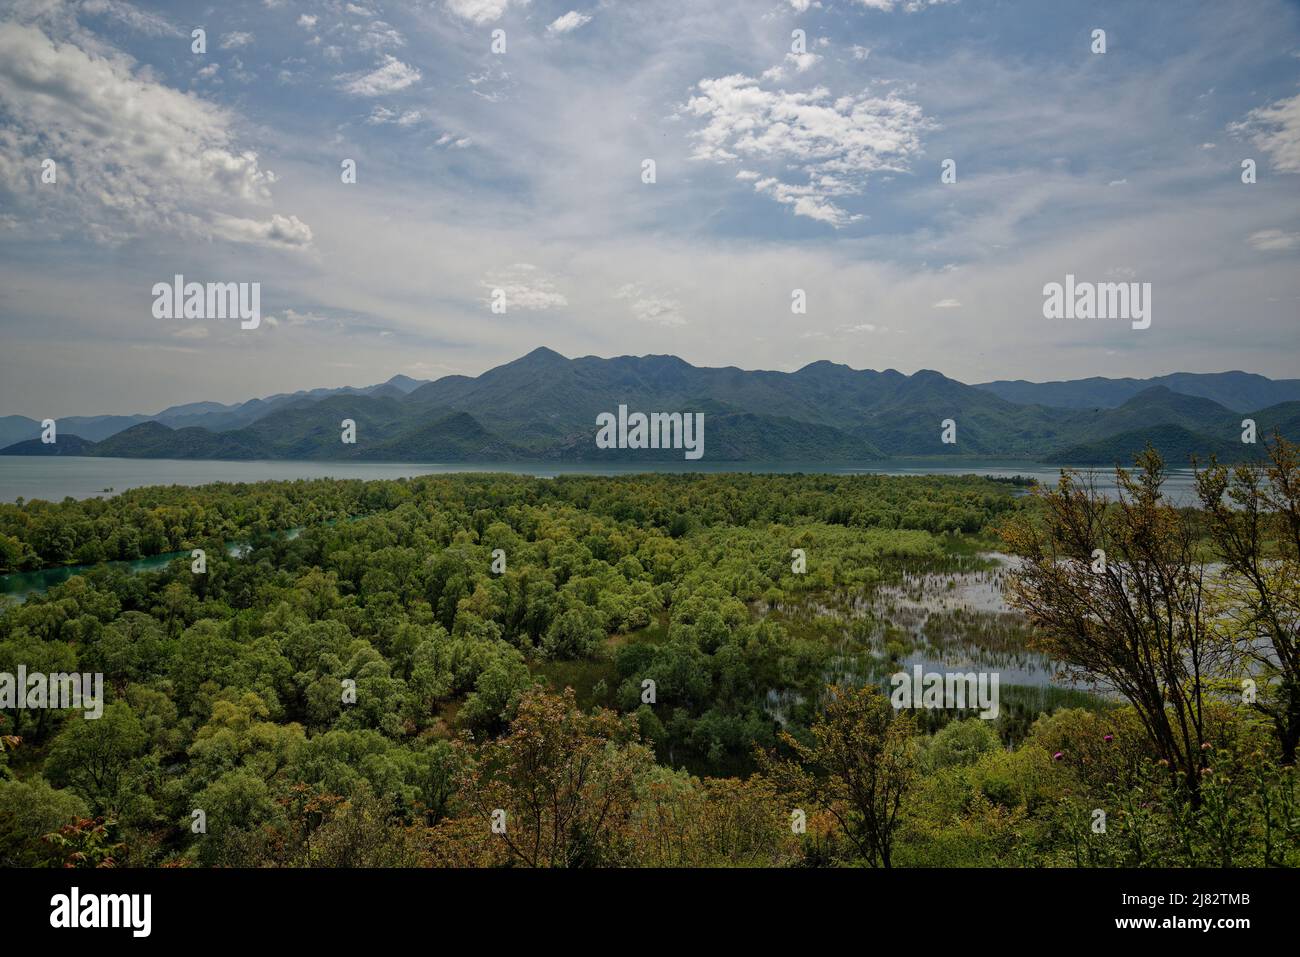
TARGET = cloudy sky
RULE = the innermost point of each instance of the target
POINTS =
(778, 166)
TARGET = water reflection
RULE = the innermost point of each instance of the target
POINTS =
(18, 585)
(953, 621)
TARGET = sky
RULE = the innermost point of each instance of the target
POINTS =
(783, 161)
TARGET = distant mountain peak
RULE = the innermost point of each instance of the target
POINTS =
(147, 428)
(823, 365)
(405, 383)
(1236, 390)
(1153, 391)
(1163, 395)
(540, 354)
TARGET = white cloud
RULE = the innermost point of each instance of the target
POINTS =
(568, 23)
(806, 200)
(282, 231)
(134, 154)
(1274, 240)
(651, 307)
(382, 115)
(482, 11)
(307, 21)
(389, 76)
(910, 6)
(295, 318)
(802, 61)
(139, 20)
(947, 304)
(1275, 129)
(526, 287)
(837, 142)
(235, 40)
(377, 35)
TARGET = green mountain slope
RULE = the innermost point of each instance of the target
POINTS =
(1239, 391)
(456, 438)
(153, 440)
(1176, 444)
(66, 444)
(544, 406)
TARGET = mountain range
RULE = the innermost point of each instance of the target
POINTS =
(543, 406)
(1238, 391)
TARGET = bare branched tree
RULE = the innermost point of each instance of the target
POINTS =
(1253, 512)
(1116, 589)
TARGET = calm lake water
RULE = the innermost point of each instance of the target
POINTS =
(18, 585)
(55, 477)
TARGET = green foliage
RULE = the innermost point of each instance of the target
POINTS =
(962, 743)
(337, 697)
(28, 811)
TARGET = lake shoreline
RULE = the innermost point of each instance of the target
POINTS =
(53, 478)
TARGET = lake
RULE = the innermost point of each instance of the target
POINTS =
(18, 585)
(55, 477)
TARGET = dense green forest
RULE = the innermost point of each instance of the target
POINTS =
(151, 521)
(673, 670)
